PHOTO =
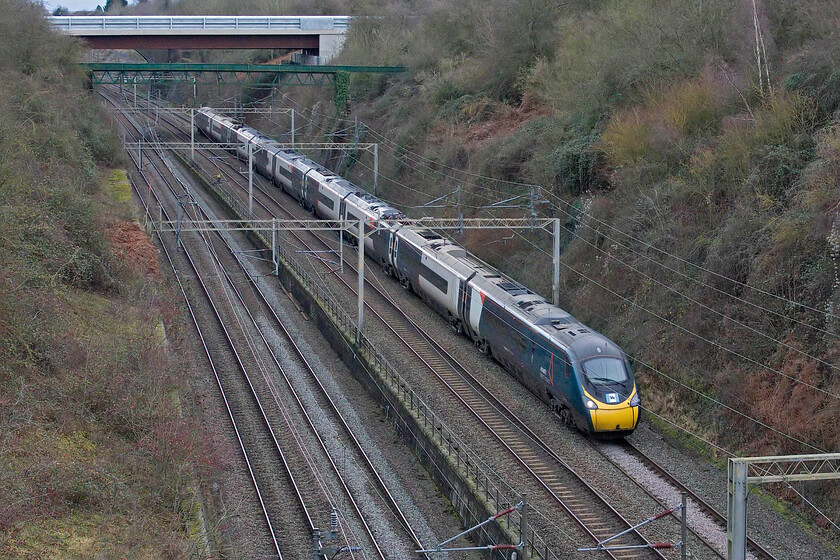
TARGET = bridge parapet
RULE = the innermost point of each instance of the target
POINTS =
(324, 33)
(264, 25)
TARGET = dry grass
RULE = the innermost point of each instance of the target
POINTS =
(96, 460)
(628, 138)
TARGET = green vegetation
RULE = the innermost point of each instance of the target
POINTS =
(700, 196)
(650, 118)
(692, 150)
(96, 460)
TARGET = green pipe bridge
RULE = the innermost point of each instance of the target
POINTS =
(252, 75)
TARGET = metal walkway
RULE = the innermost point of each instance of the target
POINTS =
(324, 34)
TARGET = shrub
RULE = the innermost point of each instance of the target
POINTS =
(783, 118)
(574, 163)
(764, 155)
(615, 54)
(628, 138)
(793, 24)
(778, 168)
(691, 107)
(816, 75)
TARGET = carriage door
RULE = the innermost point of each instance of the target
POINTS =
(304, 189)
(392, 249)
(476, 305)
(464, 304)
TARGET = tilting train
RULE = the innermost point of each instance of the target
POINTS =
(580, 373)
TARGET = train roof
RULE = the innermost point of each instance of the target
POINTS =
(373, 205)
(342, 186)
(552, 321)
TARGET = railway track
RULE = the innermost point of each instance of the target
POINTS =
(702, 505)
(250, 437)
(297, 481)
(591, 511)
(568, 489)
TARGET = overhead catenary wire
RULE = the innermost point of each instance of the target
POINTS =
(701, 268)
(814, 506)
(715, 401)
(708, 308)
(740, 323)
(696, 281)
(686, 330)
(753, 329)
(432, 163)
(714, 343)
(736, 321)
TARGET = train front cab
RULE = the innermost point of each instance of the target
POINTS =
(612, 419)
(610, 396)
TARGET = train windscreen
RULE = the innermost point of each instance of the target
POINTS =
(604, 371)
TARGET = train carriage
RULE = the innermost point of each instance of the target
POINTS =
(314, 181)
(332, 195)
(264, 156)
(375, 214)
(213, 125)
(283, 168)
(203, 119)
(418, 268)
(242, 136)
(583, 375)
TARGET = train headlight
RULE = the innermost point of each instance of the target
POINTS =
(590, 404)
(636, 400)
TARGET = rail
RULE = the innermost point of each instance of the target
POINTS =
(398, 384)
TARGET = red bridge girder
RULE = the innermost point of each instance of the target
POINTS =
(181, 41)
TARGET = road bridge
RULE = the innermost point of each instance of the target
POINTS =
(319, 35)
